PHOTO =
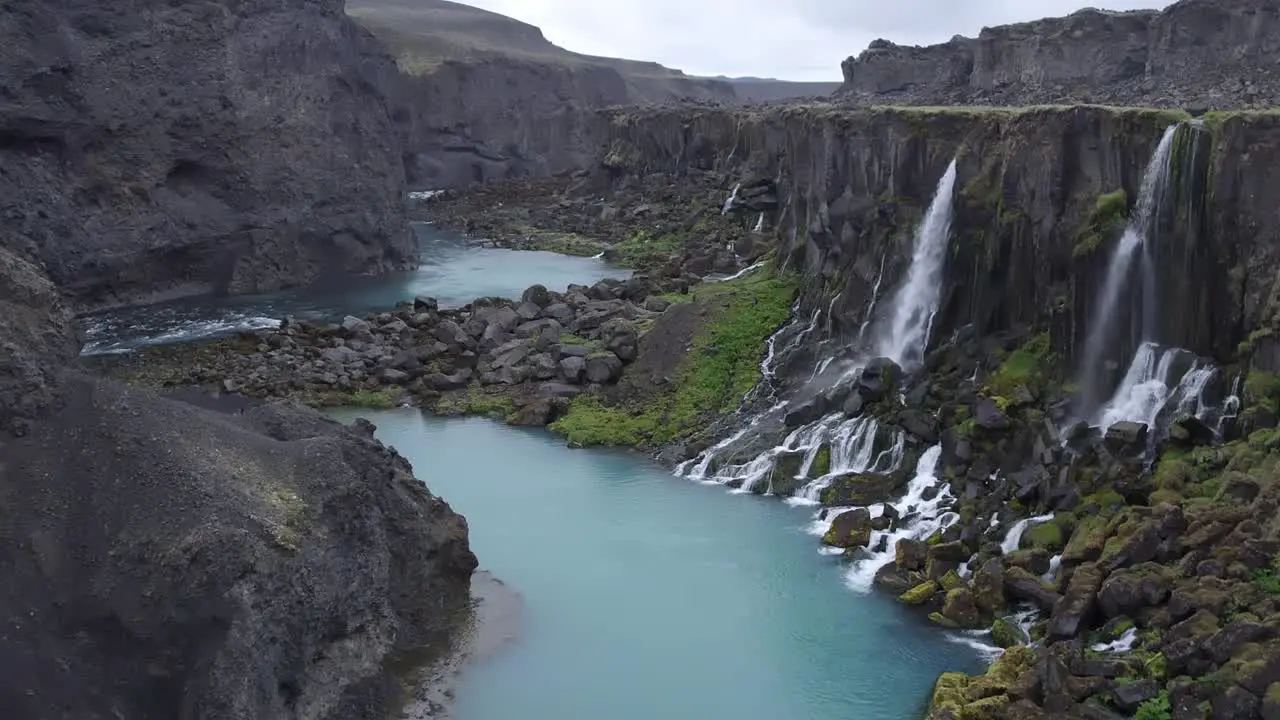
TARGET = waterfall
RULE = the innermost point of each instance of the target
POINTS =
(1104, 319)
(1014, 536)
(759, 224)
(733, 198)
(917, 299)
(923, 518)
(906, 339)
(1162, 383)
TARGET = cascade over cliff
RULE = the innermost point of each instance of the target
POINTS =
(1194, 54)
(181, 148)
(1029, 244)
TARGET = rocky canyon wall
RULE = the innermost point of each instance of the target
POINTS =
(186, 147)
(1033, 228)
(1195, 54)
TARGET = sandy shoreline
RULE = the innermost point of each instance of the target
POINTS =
(496, 621)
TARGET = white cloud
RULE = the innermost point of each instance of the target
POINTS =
(790, 39)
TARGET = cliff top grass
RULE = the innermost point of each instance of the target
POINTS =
(738, 316)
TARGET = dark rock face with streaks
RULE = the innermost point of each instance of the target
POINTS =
(169, 561)
(1196, 53)
(151, 148)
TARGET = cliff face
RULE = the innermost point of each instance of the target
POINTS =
(1196, 53)
(487, 97)
(177, 148)
(476, 121)
(166, 561)
(1028, 244)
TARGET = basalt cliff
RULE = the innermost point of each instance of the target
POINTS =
(162, 149)
(1195, 54)
(180, 557)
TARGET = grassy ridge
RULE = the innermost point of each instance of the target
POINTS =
(721, 368)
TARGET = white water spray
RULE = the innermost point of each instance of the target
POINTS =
(917, 299)
(733, 198)
(1014, 537)
(1141, 221)
(924, 517)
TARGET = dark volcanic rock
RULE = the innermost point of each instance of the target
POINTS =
(196, 147)
(1196, 53)
(174, 562)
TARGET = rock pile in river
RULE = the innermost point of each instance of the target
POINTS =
(543, 348)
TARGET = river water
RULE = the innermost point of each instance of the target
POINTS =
(647, 596)
(452, 270)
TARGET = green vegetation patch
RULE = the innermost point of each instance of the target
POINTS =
(1108, 215)
(644, 250)
(380, 399)
(1262, 389)
(475, 401)
(1024, 368)
(722, 367)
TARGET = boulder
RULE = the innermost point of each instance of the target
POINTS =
(1126, 438)
(879, 379)
(573, 369)
(910, 554)
(1078, 604)
(603, 367)
(861, 489)
(989, 416)
(1022, 585)
(920, 424)
(1005, 634)
(620, 340)
(850, 529)
(960, 608)
(806, 412)
(536, 295)
(656, 304)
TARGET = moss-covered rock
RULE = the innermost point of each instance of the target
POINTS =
(1005, 634)
(960, 608)
(821, 462)
(920, 594)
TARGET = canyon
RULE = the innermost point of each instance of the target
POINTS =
(152, 150)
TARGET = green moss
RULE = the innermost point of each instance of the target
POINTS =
(821, 462)
(474, 401)
(643, 250)
(1023, 368)
(1108, 215)
(1157, 708)
(1262, 389)
(1247, 346)
(1047, 535)
(380, 399)
(920, 594)
(721, 368)
(1268, 581)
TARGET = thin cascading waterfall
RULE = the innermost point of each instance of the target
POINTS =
(1014, 537)
(907, 336)
(733, 198)
(1152, 389)
(924, 518)
(759, 228)
(1105, 314)
(852, 445)
(871, 307)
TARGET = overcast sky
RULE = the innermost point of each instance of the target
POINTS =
(788, 39)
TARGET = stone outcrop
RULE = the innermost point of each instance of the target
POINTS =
(166, 561)
(486, 97)
(196, 147)
(1194, 54)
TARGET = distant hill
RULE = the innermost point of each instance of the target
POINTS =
(423, 34)
(754, 89)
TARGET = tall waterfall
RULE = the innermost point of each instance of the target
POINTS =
(917, 300)
(853, 445)
(1105, 318)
